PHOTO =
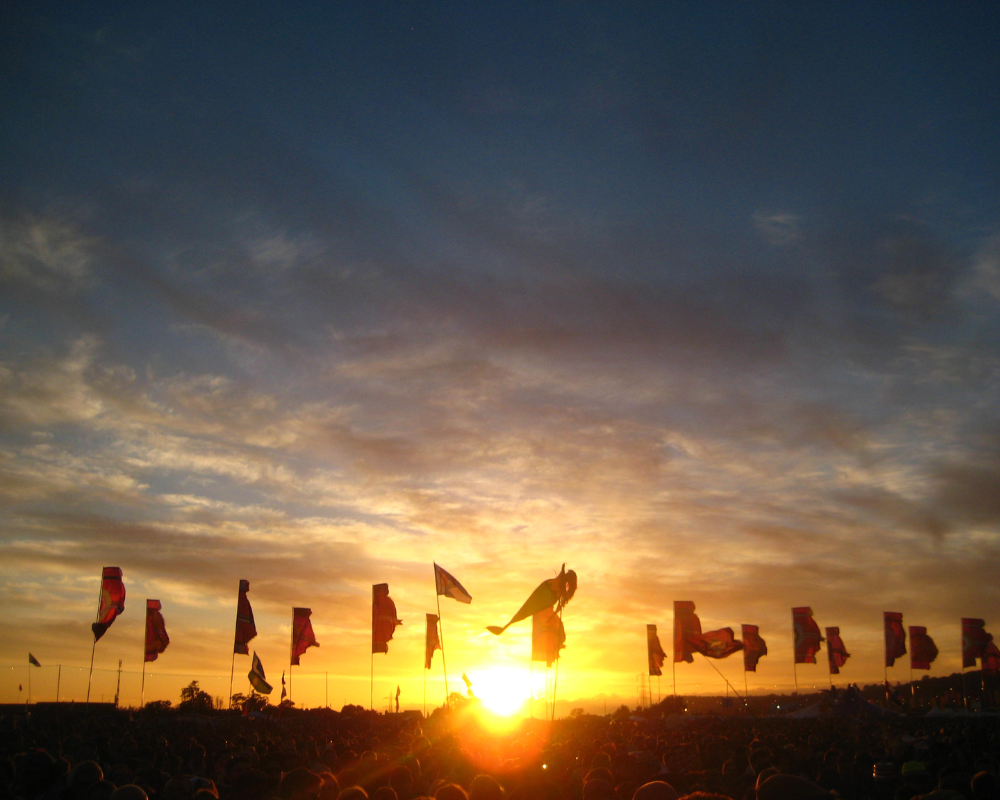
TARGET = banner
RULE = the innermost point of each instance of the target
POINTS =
(895, 636)
(807, 635)
(302, 633)
(754, 647)
(112, 601)
(156, 631)
(384, 619)
(245, 628)
(686, 625)
(836, 652)
(432, 641)
(923, 651)
(654, 651)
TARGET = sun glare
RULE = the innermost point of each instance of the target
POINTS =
(502, 690)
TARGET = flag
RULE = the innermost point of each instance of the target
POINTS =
(156, 631)
(548, 636)
(256, 676)
(991, 659)
(284, 694)
(33, 661)
(654, 651)
(686, 625)
(923, 651)
(302, 633)
(468, 685)
(716, 644)
(384, 620)
(754, 647)
(836, 652)
(112, 600)
(974, 640)
(245, 628)
(397, 698)
(447, 585)
(807, 635)
(557, 591)
(432, 641)
(895, 636)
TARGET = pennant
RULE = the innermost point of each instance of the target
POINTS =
(548, 636)
(256, 676)
(991, 659)
(284, 694)
(384, 620)
(716, 644)
(112, 601)
(895, 636)
(754, 647)
(923, 651)
(557, 591)
(836, 652)
(156, 631)
(33, 661)
(807, 635)
(245, 628)
(432, 641)
(447, 585)
(654, 652)
(686, 626)
(302, 633)
(974, 640)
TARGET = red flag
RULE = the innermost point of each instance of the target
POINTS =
(654, 651)
(717, 644)
(112, 600)
(432, 641)
(302, 633)
(156, 631)
(991, 659)
(548, 636)
(922, 648)
(807, 635)
(384, 620)
(686, 625)
(836, 652)
(245, 628)
(895, 636)
(754, 647)
(974, 640)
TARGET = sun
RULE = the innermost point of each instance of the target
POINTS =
(502, 690)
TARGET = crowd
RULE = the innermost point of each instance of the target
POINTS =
(325, 756)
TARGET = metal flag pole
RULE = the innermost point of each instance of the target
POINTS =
(142, 686)
(555, 682)
(444, 663)
(29, 684)
(232, 665)
(93, 649)
(371, 685)
(58, 682)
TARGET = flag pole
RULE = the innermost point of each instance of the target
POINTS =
(232, 664)
(58, 682)
(93, 649)
(555, 681)
(371, 684)
(142, 686)
(444, 663)
(29, 684)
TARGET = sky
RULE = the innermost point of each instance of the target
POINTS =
(701, 300)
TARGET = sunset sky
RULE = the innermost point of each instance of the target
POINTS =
(702, 300)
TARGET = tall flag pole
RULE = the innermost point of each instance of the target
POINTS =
(156, 640)
(432, 642)
(302, 639)
(446, 584)
(384, 622)
(110, 603)
(245, 630)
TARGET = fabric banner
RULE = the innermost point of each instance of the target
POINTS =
(302, 633)
(686, 625)
(654, 651)
(432, 641)
(716, 644)
(754, 647)
(33, 661)
(156, 631)
(446, 584)
(257, 678)
(557, 591)
(245, 628)
(923, 651)
(974, 640)
(836, 652)
(548, 636)
(895, 636)
(112, 601)
(807, 635)
(991, 659)
(384, 619)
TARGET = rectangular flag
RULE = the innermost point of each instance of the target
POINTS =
(446, 584)
(257, 678)
(302, 633)
(716, 644)
(836, 652)
(654, 651)
(754, 647)
(432, 641)
(156, 631)
(895, 636)
(923, 651)
(112, 600)
(245, 628)
(686, 625)
(548, 636)
(33, 661)
(991, 659)
(807, 635)
(384, 620)
(974, 640)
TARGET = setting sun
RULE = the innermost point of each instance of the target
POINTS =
(505, 690)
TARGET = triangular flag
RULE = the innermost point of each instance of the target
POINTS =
(33, 661)
(256, 677)
(448, 585)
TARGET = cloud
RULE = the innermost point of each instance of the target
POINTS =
(46, 253)
(778, 230)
